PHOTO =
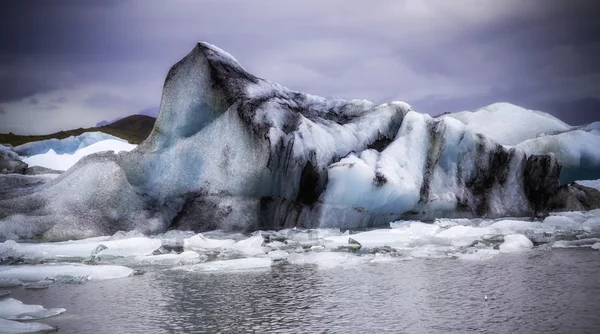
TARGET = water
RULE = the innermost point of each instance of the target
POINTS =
(544, 290)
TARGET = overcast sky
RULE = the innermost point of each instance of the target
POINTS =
(72, 63)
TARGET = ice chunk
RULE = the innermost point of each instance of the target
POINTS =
(580, 243)
(93, 247)
(10, 326)
(174, 238)
(9, 282)
(40, 272)
(596, 246)
(200, 243)
(520, 226)
(244, 264)
(515, 243)
(478, 254)
(187, 257)
(561, 223)
(250, 246)
(13, 309)
(39, 285)
(329, 259)
(53, 160)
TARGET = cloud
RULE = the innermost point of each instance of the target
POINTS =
(2, 110)
(437, 55)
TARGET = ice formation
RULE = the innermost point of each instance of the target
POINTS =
(535, 133)
(232, 151)
(577, 151)
(63, 161)
(64, 146)
(508, 124)
(41, 272)
(10, 161)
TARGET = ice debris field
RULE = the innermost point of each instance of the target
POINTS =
(31, 265)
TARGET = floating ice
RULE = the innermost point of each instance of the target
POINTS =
(515, 243)
(10, 326)
(81, 249)
(250, 246)
(9, 283)
(230, 265)
(56, 161)
(188, 257)
(329, 259)
(13, 309)
(174, 238)
(40, 272)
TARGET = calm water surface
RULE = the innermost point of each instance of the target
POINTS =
(542, 291)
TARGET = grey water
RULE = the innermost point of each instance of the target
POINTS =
(541, 291)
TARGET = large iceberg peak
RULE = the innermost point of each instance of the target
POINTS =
(232, 151)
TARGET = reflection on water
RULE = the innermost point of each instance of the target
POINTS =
(538, 291)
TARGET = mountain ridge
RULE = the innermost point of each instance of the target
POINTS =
(134, 129)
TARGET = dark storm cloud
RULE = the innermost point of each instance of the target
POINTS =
(438, 55)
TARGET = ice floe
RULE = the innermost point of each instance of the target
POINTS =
(12, 309)
(10, 326)
(41, 272)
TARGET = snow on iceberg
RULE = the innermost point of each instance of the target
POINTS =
(64, 146)
(232, 151)
(57, 161)
(508, 124)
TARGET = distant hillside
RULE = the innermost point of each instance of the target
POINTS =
(133, 128)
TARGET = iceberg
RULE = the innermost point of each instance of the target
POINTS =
(234, 152)
(64, 146)
(63, 161)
